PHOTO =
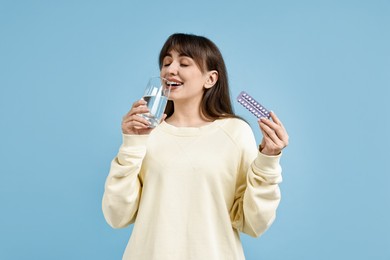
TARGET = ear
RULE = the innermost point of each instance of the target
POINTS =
(212, 78)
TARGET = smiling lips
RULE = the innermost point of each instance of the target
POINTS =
(173, 84)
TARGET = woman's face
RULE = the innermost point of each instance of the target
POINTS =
(187, 79)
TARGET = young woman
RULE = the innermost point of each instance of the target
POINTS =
(194, 182)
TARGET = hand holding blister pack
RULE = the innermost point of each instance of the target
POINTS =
(252, 105)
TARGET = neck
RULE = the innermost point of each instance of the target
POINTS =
(187, 115)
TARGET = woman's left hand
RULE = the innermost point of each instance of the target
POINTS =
(275, 136)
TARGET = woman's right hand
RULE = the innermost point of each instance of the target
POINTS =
(132, 123)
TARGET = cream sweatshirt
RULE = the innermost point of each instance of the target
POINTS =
(190, 191)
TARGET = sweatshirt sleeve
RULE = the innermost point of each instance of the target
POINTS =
(257, 193)
(123, 186)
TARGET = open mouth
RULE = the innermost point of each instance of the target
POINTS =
(173, 84)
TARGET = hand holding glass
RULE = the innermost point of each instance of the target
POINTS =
(156, 95)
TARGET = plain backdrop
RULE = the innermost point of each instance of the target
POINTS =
(69, 71)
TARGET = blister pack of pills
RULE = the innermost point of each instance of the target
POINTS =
(252, 105)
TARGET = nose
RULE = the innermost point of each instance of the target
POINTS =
(172, 69)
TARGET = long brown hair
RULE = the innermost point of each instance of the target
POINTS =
(216, 101)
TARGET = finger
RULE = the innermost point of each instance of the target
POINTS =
(274, 126)
(136, 118)
(134, 126)
(136, 104)
(279, 129)
(267, 141)
(135, 111)
(268, 133)
(273, 140)
(276, 119)
(268, 145)
(139, 103)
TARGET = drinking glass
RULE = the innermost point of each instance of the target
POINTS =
(156, 95)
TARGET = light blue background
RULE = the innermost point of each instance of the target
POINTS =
(69, 70)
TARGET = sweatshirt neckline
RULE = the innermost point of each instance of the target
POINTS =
(189, 131)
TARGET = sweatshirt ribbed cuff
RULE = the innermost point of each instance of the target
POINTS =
(269, 167)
